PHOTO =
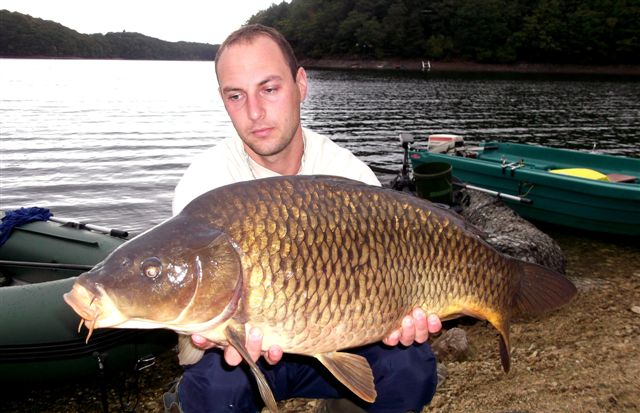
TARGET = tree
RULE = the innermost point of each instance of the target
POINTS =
(503, 31)
(24, 36)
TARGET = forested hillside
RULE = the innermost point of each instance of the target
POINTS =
(488, 31)
(24, 36)
(596, 32)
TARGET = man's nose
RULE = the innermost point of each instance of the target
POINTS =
(255, 107)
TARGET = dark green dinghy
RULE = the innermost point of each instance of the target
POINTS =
(583, 190)
(40, 341)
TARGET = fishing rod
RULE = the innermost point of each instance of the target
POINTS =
(497, 194)
(80, 225)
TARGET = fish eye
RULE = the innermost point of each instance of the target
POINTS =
(151, 267)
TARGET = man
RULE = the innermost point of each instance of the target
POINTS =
(262, 88)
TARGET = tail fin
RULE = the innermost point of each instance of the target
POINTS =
(541, 290)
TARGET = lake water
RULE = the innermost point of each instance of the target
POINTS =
(107, 141)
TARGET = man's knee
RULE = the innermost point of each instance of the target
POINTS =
(415, 364)
(405, 377)
(209, 386)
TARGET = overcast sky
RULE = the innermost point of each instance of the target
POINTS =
(206, 21)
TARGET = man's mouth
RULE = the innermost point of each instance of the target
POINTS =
(261, 132)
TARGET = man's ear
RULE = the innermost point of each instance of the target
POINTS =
(301, 82)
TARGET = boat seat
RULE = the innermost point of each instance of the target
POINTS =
(622, 178)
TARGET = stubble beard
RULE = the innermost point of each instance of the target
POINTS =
(282, 142)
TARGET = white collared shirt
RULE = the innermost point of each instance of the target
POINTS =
(227, 163)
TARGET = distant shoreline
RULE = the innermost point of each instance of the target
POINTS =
(416, 65)
(438, 66)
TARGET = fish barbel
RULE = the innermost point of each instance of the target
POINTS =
(319, 263)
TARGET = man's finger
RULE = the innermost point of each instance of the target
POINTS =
(201, 342)
(392, 339)
(434, 324)
(231, 356)
(421, 325)
(273, 355)
(408, 331)
(254, 343)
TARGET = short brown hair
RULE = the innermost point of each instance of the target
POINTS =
(249, 32)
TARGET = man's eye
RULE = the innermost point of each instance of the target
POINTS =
(234, 97)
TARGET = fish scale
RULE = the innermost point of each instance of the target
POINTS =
(320, 264)
(369, 234)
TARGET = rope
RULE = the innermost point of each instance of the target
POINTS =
(15, 218)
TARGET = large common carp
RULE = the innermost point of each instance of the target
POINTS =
(319, 263)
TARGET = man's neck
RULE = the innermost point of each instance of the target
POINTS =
(287, 162)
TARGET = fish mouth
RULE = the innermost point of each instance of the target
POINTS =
(96, 310)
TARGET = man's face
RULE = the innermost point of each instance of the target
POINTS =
(260, 95)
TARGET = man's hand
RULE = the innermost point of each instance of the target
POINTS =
(253, 344)
(415, 328)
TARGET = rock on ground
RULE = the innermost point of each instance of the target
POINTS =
(508, 232)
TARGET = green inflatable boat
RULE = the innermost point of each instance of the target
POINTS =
(40, 342)
(593, 192)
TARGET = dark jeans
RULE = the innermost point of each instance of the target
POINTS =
(405, 380)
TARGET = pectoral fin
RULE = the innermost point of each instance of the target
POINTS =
(236, 339)
(353, 371)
